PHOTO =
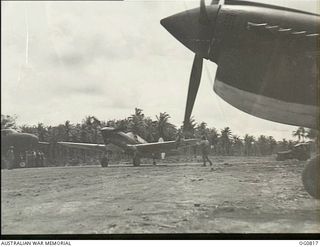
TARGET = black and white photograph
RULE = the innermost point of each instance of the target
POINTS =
(160, 117)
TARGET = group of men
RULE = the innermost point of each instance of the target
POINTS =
(29, 158)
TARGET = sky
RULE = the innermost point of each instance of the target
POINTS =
(67, 60)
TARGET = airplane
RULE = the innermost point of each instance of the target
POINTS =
(267, 58)
(131, 144)
(20, 141)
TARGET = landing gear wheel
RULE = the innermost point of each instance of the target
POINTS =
(22, 164)
(303, 156)
(311, 177)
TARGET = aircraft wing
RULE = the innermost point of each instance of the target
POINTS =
(159, 147)
(86, 146)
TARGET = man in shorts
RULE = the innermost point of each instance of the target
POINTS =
(205, 147)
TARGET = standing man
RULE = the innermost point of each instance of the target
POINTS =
(28, 158)
(10, 158)
(41, 159)
(105, 159)
(37, 158)
(205, 147)
(33, 157)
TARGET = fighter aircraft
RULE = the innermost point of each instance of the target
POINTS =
(20, 141)
(132, 144)
(267, 59)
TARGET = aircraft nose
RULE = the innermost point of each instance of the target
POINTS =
(188, 28)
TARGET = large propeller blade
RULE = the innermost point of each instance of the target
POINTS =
(194, 83)
(203, 17)
(196, 71)
(195, 76)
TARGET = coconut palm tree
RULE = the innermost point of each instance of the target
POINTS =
(249, 142)
(42, 132)
(84, 134)
(214, 135)
(189, 128)
(8, 122)
(164, 128)
(76, 133)
(202, 129)
(151, 130)
(96, 127)
(137, 124)
(262, 145)
(312, 134)
(272, 144)
(283, 144)
(122, 124)
(67, 127)
(91, 129)
(28, 129)
(300, 133)
(225, 140)
(237, 145)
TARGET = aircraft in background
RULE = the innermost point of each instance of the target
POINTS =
(268, 62)
(20, 141)
(131, 144)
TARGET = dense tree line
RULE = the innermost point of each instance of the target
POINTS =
(223, 142)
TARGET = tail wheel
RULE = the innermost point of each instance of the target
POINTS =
(311, 177)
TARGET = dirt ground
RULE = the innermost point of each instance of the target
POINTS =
(237, 195)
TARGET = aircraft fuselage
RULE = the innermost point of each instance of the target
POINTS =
(267, 57)
(121, 139)
(20, 141)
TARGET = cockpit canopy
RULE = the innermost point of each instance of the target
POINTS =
(136, 137)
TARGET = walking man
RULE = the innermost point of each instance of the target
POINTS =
(205, 147)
